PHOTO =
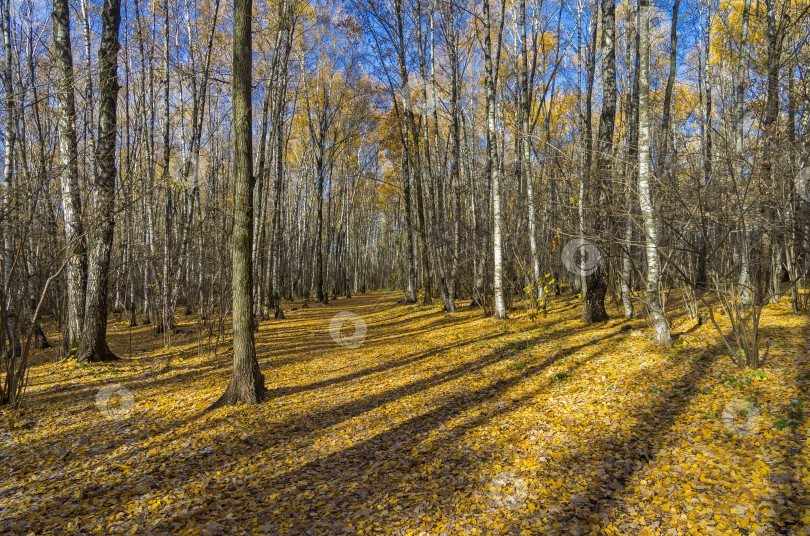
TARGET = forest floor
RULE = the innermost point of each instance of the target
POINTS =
(432, 424)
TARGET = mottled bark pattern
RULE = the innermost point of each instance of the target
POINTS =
(94, 338)
(493, 167)
(659, 321)
(68, 162)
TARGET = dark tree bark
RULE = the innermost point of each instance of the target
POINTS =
(738, 158)
(587, 166)
(247, 381)
(94, 338)
(165, 317)
(667, 140)
(318, 137)
(406, 194)
(701, 279)
(412, 152)
(40, 340)
(455, 152)
(631, 177)
(536, 290)
(596, 283)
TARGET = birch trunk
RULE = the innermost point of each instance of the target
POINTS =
(94, 338)
(69, 169)
(493, 168)
(659, 320)
(536, 288)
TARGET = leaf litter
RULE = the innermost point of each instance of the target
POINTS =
(434, 424)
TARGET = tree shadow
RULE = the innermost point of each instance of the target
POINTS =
(304, 427)
(620, 458)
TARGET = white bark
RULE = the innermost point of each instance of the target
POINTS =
(659, 320)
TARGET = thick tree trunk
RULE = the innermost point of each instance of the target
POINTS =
(68, 161)
(594, 309)
(94, 338)
(247, 381)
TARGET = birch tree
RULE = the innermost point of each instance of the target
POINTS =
(94, 338)
(493, 164)
(69, 173)
(659, 321)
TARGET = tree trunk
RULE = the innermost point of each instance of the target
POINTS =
(275, 245)
(701, 279)
(40, 340)
(667, 139)
(594, 309)
(536, 287)
(592, 306)
(165, 316)
(247, 381)
(455, 156)
(94, 338)
(659, 321)
(631, 178)
(766, 269)
(493, 168)
(739, 168)
(411, 136)
(9, 135)
(406, 194)
(68, 161)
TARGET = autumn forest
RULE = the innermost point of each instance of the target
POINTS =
(407, 267)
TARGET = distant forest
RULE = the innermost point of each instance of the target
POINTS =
(220, 159)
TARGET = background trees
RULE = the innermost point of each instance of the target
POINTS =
(447, 149)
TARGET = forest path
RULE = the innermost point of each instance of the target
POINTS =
(427, 423)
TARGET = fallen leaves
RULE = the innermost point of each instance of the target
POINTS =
(432, 425)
